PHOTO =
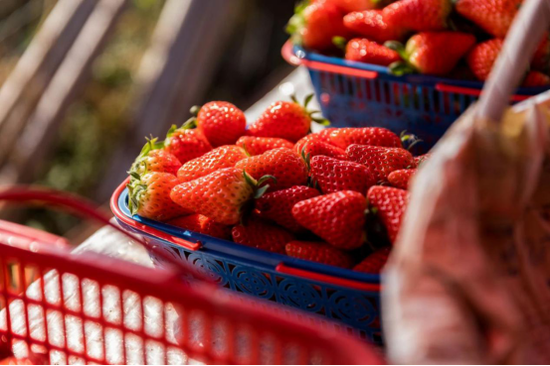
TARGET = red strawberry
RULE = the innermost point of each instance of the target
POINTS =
(153, 158)
(338, 218)
(219, 158)
(277, 206)
(493, 16)
(373, 25)
(259, 145)
(221, 123)
(419, 15)
(420, 159)
(334, 175)
(319, 252)
(435, 53)
(400, 178)
(374, 263)
(376, 136)
(483, 56)
(149, 196)
(283, 164)
(541, 59)
(322, 136)
(347, 6)
(262, 235)
(185, 143)
(381, 161)
(363, 50)
(314, 25)
(536, 78)
(316, 147)
(391, 204)
(287, 120)
(220, 195)
(202, 225)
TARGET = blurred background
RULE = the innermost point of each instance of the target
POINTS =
(84, 81)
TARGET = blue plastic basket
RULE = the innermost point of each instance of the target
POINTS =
(351, 298)
(355, 94)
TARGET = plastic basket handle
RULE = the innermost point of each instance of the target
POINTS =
(520, 45)
(87, 210)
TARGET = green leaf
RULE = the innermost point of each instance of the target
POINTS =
(260, 192)
(308, 99)
(249, 179)
(321, 121)
(265, 178)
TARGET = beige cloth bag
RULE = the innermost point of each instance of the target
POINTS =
(469, 278)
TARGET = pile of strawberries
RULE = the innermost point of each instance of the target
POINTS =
(334, 197)
(453, 38)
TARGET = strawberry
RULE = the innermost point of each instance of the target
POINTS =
(185, 143)
(435, 53)
(381, 161)
(376, 136)
(283, 164)
(541, 59)
(493, 16)
(153, 158)
(220, 122)
(363, 50)
(219, 158)
(220, 195)
(262, 235)
(277, 206)
(322, 136)
(390, 204)
(338, 218)
(319, 252)
(287, 120)
(149, 196)
(483, 56)
(259, 145)
(420, 159)
(347, 6)
(536, 78)
(419, 15)
(202, 225)
(315, 147)
(374, 263)
(400, 178)
(334, 175)
(314, 25)
(372, 24)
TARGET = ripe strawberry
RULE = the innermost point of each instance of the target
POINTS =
(381, 161)
(435, 53)
(391, 204)
(149, 196)
(536, 78)
(277, 206)
(420, 159)
(334, 175)
(347, 6)
(185, 143)
(338, 218)
(287, 120)
(153, 158)
(314, 25)
(319, 252)
(202, 225)
(372, 24)
(541, 59)
(219, 158)
(376, 136)
(374, 263)
(262, 235)
(493, 16)
(315, 147)
(419, 15)
(322, 136)
(483, 56)
(400, 178)
(259, 145)
(221, 123)
(220, 195)
(283, 164)
(363, 50)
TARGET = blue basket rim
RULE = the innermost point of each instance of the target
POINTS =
(270, 260)
(426, 80)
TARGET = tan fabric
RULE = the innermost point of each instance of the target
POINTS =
(468, 280)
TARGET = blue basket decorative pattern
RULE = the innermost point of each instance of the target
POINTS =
(254, 272)
(354, 94)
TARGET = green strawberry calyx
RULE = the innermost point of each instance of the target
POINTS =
(257, 185)
(136, 190)
(409, 140)
(403, 67)
(340, 42)
(310, 113)
(139, 166)
(297, 23)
